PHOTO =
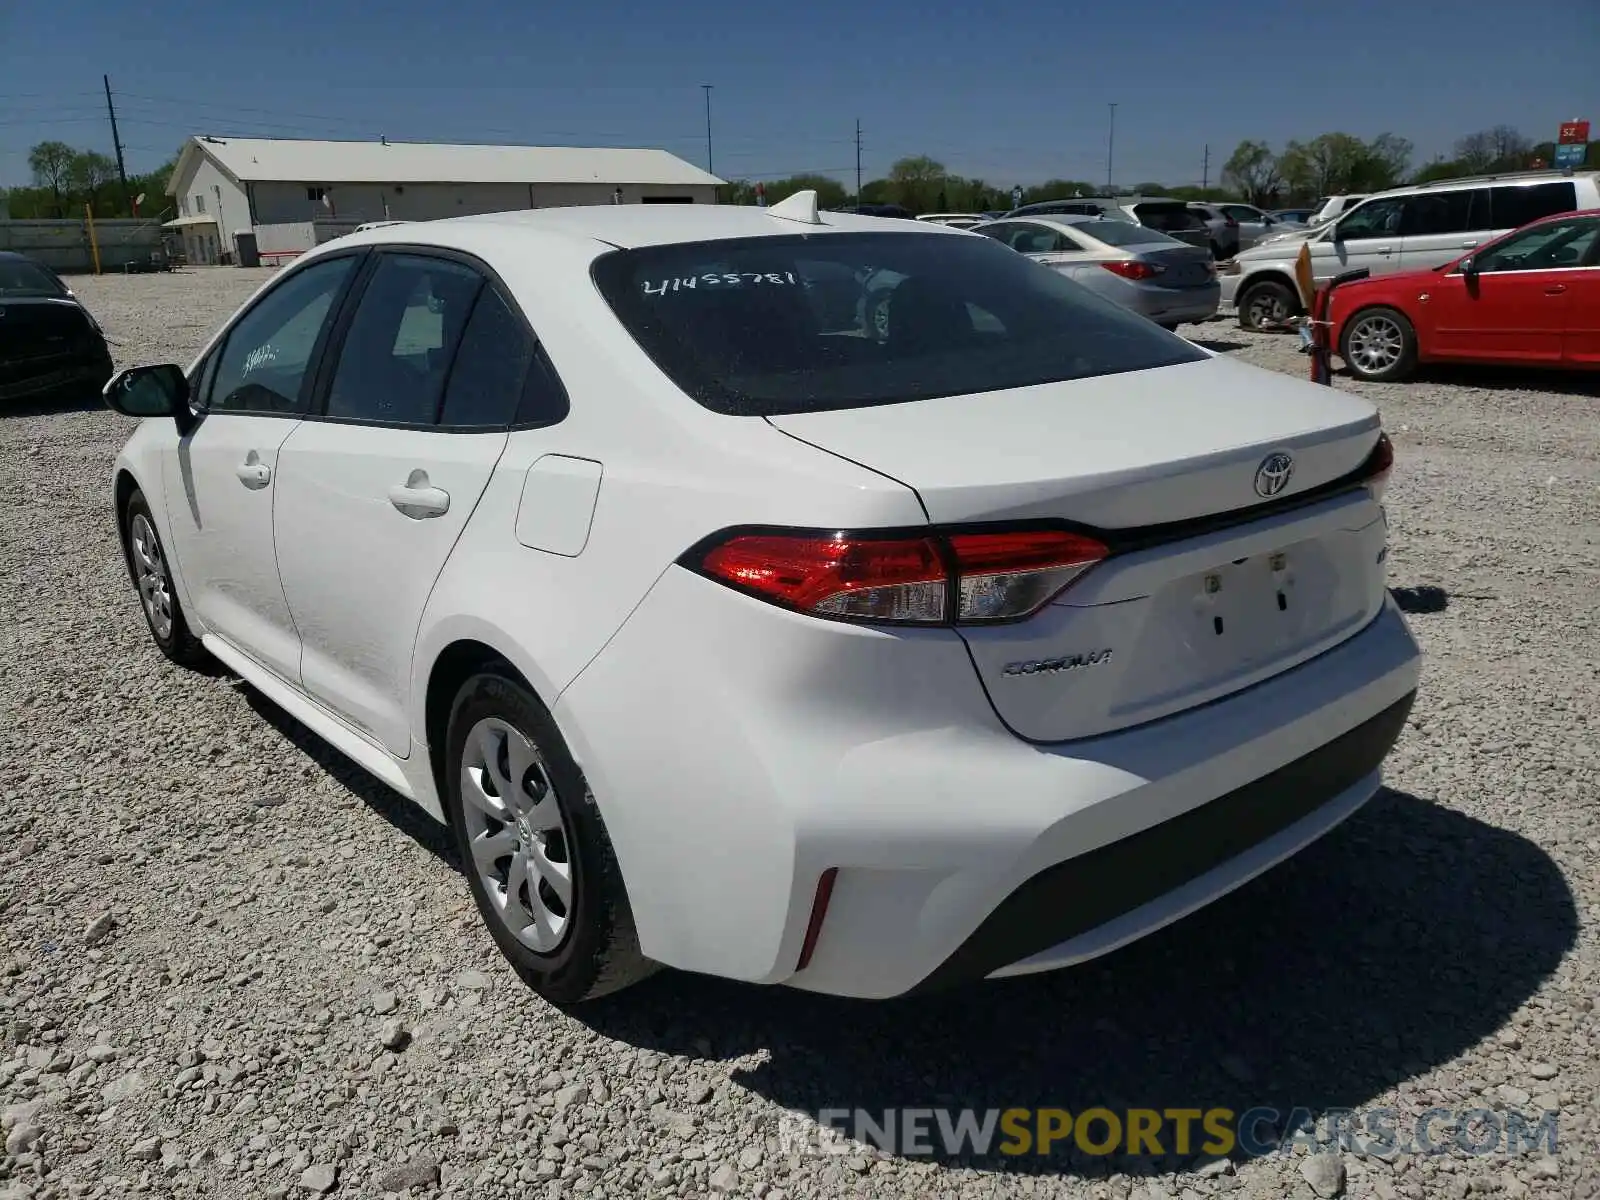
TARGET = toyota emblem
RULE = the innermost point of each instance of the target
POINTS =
(1272, 476)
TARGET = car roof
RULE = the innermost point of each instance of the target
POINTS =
(628, 226)
(1505, 179)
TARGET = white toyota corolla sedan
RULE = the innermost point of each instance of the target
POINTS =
(735, 630)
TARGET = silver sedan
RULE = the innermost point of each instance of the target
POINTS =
(1138, 268)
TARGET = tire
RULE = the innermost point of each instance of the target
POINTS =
(1263, 303)
(151, 573)
(568, 949)
(1379, 345)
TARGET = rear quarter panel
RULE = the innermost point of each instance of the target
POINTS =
(672, 472)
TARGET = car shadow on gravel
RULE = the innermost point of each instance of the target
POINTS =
(376, 795)
(1422, 600)
(1506, 379)
(1217, 345)
(52, 405)
(1400, 940)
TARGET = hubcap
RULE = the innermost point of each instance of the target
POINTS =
(1376, 344)
(521, 850)
(150, 573)
(1267, 308)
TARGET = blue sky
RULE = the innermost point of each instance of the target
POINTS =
(1013, 97)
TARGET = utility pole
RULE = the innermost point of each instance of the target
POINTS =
(858, 162)
(116, 142)
(1111, 146)
(1205, 169)
(707, 88)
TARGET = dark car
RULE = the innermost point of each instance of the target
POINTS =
(50, 346)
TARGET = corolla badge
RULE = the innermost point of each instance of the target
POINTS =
(1272, 476)
(1053, 666)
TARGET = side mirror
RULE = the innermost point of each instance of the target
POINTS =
(1468, 266)
(158, 391)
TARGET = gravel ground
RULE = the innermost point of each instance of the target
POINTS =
(211, 923)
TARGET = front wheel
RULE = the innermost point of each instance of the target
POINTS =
(1267, 304)
(536, 853)
(1380, 345)
(151, 573)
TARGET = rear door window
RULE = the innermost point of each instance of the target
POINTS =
(766, 326)
(1430, 213)
(1513, 207)
(485, 383)
(396, 355)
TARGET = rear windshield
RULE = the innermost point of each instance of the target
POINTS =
(1126, 233)
(1169, 216)
(807, 323)
(19, 277)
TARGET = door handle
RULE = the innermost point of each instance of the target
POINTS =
(417, 499)
(1385, 250)
(253, 473)
(1468, 245)
(1555, 289)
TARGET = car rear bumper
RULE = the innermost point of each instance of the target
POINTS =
(737, 752)
(1173, 306)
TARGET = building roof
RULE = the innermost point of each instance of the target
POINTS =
(277, 160)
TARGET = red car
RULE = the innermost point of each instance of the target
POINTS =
(1531, 297)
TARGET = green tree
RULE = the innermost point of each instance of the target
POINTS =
(1253, 170)
(1384, 165)
(90, 172)
(1443, 168)
(1058, 189)
(915, 182)
(830, 192)
(51, 164)
(1502, 148)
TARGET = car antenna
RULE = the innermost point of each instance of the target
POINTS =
(800, 207)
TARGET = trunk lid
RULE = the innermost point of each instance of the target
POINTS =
(1180, 615)
(41, 339)
(1185, 266)
(42, 330)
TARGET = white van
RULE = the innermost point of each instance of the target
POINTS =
(1405, 229)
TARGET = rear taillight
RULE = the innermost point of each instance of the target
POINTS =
(932, 579)
(1132, 269)
(1379, 466)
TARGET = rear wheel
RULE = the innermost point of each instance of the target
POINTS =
(1267, 304)
(1379, 344)
(152, 576)
(536, 853)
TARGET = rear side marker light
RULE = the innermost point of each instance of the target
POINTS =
(1132, 269)
(819, 911)
(934, 579)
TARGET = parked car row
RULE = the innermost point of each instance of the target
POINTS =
(1421, 226)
